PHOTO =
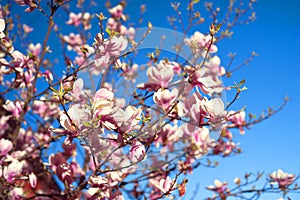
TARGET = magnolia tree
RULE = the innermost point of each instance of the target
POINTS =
(99, 107)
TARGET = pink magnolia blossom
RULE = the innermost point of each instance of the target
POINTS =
(114, 177)
(283, 179)
(98, 144)
(238, 118)
(109, 49)
(137, 151)
(167, 136)
(44, 108)
(117, 12)
(165, 98)
(112, 24)
(202, 78)
(19, 60)
(199, 42)
(74, 19)
(127, 119)
(218, 187)
(5, 146)
(31, 3)
(14, 107)
(158, 77)
(2, 28)
(163, 184)
(72, 40)
(103, 102)
(13, 170)
(32, 180)
(215, 110)
(161, 76)
(169, 64)
(73, 121)
(214, 66)
(48, 75)
(35, 49)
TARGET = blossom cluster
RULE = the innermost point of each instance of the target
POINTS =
(62, 138)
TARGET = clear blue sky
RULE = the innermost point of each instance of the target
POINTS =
(275, 36)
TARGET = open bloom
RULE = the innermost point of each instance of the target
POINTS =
(74, 118)
(165, 98)
(161, 76)
(163, 184)
(215, 110)
(282, 178)
(218, 187)
(74, 19)
(109, 49)
(11, 171)
(238, 118)
(128, 119)
(199, 42)
(103, 102)
(117, 12)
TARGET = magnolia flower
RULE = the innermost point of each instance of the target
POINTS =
(74, 19)
(214, 68)
(218, 187)
(238, 118)
(14, 107)
(5, 146)
(164, 184)
(282, 178)
(137, 151)
(72, 40)
(128, 119)
(48, 75)
(199, 42)
(112, 24)
(109, 49)
(103, 102)
(74, 118)
(12, 170)
(117, 12)
(161, 76)
(165, 98)
(215, 109)
(35, 49)
(2, 28)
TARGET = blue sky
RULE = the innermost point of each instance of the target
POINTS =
(275, 36)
